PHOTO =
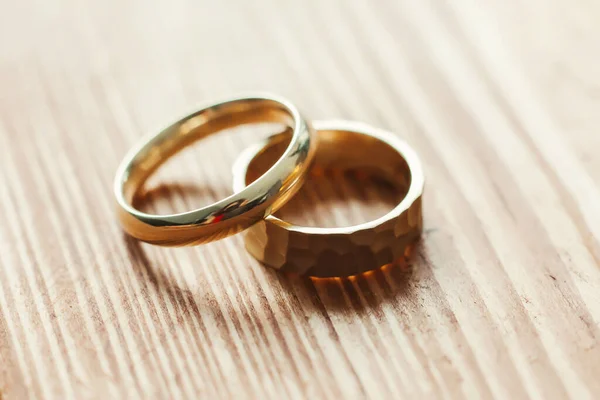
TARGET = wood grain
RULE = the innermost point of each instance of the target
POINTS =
(500, 98)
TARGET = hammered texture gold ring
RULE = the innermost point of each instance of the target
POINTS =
(327, 252)
(238, 211)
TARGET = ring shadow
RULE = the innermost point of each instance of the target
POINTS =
(359, 293)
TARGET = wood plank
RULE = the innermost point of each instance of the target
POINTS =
(499, 98)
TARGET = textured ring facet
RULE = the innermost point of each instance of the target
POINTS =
(327, 252)
(234, 213)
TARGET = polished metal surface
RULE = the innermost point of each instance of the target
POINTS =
(234, 213)
(327, 252)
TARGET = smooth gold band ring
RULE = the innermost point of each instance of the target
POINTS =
(238, 211)
(327, 252)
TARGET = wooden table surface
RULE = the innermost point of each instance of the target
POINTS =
(500, 98)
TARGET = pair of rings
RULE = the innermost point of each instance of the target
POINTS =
(263, 183)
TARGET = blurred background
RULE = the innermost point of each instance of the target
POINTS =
(500, 98)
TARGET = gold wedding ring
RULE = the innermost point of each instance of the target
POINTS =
(238, 211)
(326, 252)
(267, 175)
